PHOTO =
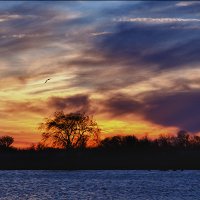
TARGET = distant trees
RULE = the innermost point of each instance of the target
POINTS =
(6, 141)
(183, 138)
(119, 142)
(181, 141)
(74, 130)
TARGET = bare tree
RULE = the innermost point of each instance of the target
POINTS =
(69, 131)
(6, 141)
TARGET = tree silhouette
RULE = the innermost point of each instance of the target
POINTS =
(69, 131)
(182, 138)
(129, 141)
(111, 142)
(6, 141)
(117, 142)
(164, 141)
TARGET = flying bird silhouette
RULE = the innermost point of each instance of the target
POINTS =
(47, 80)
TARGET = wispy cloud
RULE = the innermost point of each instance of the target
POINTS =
(8, 17)
(100, 33)
(186, 3)
(157, 20)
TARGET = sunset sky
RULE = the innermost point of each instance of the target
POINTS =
(134, 66)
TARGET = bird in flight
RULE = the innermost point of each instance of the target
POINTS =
(47, 80)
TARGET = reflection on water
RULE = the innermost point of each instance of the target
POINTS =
(113, 184)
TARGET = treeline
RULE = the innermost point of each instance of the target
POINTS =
(72, 141)
(182, 140)
(118, 152)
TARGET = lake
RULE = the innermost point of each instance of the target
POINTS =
(99, 184)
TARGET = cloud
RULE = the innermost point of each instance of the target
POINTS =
(121, 105)
(100, 33)
(8, 17)
(74, 103)
(34, 26)
(34, 38)
(186, 3)
(158, 46)
(15, 108)
(156, 20)
(167, 109)
(179, 109)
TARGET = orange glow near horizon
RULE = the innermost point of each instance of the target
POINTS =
(24, 112)
(26, 133)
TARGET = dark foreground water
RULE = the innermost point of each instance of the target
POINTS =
(97, 184)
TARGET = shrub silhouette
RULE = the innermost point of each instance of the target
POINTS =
(74, 130)
(6, 141)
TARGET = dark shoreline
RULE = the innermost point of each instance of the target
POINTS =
(100, 160)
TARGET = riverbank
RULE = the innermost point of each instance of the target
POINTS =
(93, 159)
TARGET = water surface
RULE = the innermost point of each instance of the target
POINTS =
(99, 184)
